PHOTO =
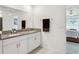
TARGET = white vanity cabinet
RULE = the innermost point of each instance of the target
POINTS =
(21, 44)
(0, 46)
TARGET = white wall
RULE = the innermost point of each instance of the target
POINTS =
(55, 39)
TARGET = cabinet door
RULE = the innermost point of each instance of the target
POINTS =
(1, 47)
(34, 41)
(31, 43)
(10, 48)
(37, 39)
(23, 46)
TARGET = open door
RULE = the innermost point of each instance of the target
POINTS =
(72, 25)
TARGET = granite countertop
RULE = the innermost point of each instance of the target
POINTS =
(8, 34)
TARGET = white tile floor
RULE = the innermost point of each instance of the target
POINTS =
(72, 48)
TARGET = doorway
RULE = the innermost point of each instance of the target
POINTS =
(72, 30)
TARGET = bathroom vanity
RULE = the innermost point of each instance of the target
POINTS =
(22, 42)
